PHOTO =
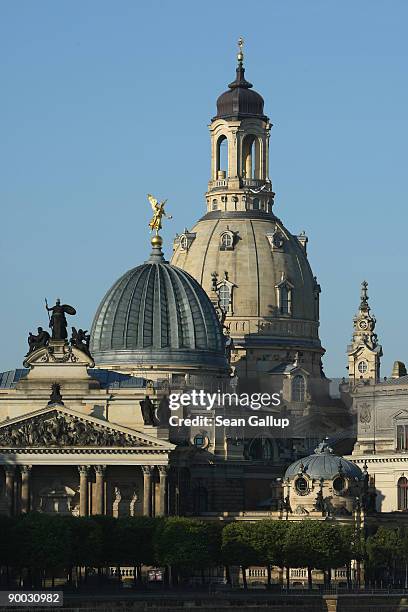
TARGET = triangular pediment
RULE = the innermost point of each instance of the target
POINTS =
(401, 414)
(60, 427)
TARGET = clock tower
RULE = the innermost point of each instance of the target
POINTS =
(364, 352)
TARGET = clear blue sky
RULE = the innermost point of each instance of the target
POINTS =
(104, 101)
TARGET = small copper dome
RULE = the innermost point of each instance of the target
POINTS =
(239, 101)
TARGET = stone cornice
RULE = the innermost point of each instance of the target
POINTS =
(386, 458)
(86, 451)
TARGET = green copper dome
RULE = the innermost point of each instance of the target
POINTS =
(157, 315)
(324, 464)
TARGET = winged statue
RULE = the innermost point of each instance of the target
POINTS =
(158, 213)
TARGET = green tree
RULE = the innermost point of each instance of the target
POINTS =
(300, 546)
(268, 540)
(238, 547)
(87, 544)
(133, 542)
(43, 545)
(332, 548)
(186, 543)
(7, 525)
(383, 553)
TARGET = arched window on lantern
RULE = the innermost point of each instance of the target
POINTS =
(251, 157)
(298, 388)
(222, 157)
(403, 493)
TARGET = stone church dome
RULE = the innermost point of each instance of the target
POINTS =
(270, 284)
(157, 315)
(251, 265)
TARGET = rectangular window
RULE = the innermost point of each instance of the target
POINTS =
(402, 437)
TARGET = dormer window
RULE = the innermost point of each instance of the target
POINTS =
(285, 301)
(223, 290)
(284, 296)
(185, 240)
(227, 241)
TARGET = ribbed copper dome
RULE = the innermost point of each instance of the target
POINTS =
(239, 101)
(157, 314)
(324, 464)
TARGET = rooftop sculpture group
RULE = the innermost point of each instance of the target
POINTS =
(58, 325)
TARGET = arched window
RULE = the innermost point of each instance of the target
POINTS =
(227, 241)
(362, 366)
(270, 204)
(224, 297)
(339, 484)
(222, 157)
(260, 449)
(403, 493)
(214, 204)
(250, 157)
(298, 388)
(255, 203)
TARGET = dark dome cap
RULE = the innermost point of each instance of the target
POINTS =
(239, 101)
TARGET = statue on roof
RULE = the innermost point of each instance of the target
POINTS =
(80, 339)
(40, 340)
(58, 322)
(158, 212)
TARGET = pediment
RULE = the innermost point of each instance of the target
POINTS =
(58, 353)
(63, 428)
(400, 415)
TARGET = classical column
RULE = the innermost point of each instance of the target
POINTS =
(162, 509)
(147, 490)
(10, 472)
(83, 489)
(25, 488)
(100, 486)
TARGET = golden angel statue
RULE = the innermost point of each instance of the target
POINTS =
(158, 213)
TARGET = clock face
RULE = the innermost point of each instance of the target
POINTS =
(363, 325)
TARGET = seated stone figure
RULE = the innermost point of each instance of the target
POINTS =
(38, 341)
